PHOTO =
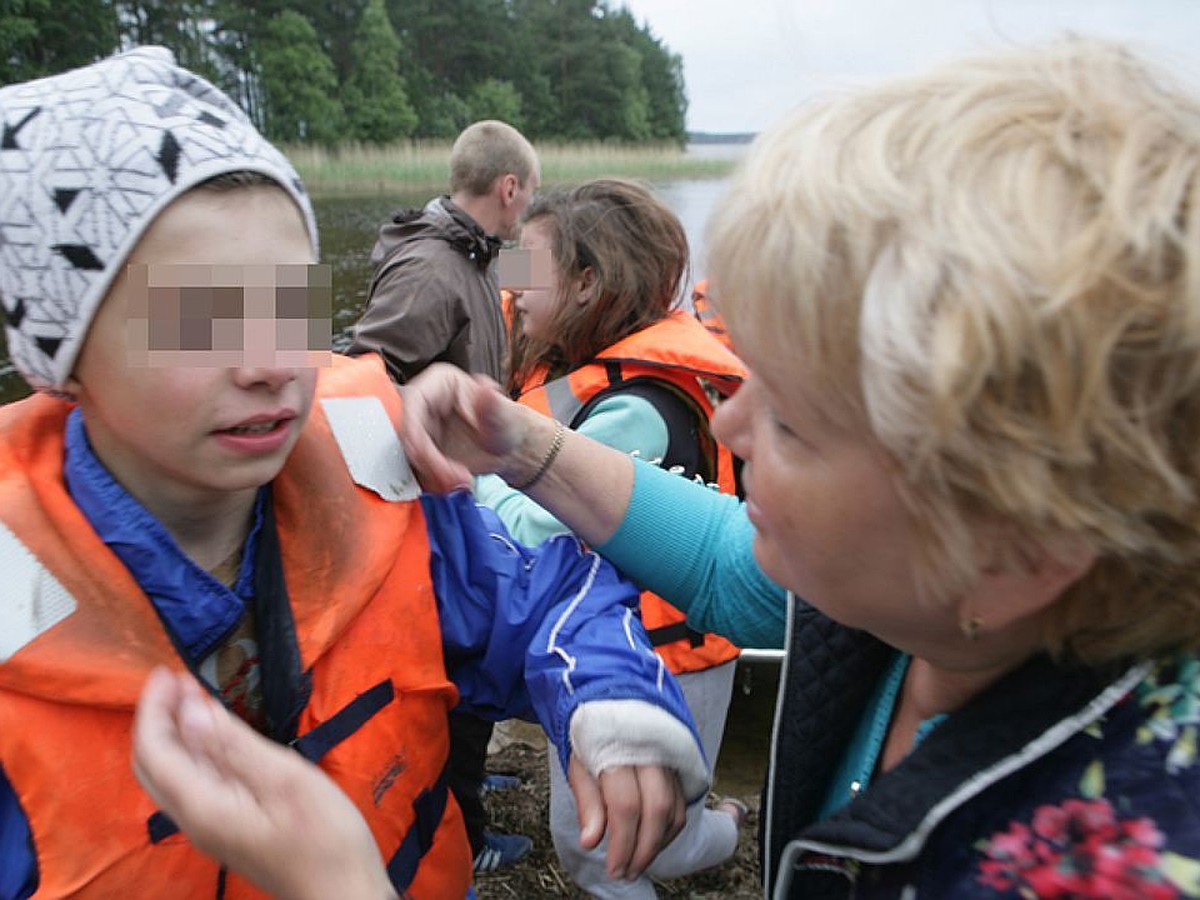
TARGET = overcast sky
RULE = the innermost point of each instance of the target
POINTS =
(746, 62)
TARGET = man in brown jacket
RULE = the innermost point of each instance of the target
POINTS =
(434, 295)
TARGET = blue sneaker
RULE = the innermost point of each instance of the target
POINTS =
(501, 851)
(499, 783)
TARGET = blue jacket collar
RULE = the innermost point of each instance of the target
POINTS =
(197, 609)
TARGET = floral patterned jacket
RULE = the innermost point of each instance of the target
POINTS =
(1055, 782)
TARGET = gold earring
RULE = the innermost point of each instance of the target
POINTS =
(970, 628)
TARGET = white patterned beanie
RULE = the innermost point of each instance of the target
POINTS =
(88, 158)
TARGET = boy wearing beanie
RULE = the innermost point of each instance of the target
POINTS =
(198, 484)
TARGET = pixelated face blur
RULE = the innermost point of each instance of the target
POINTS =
(829, 523)
(540, 301)
(178, 425)
(208, 315)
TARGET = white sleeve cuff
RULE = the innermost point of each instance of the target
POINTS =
(609, 733)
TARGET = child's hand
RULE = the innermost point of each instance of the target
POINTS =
(643, 808)
(259, 808)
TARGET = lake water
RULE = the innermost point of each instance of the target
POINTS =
(348, 227)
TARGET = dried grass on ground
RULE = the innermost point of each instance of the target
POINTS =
(523, 811)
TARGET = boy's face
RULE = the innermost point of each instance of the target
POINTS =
(188, 433)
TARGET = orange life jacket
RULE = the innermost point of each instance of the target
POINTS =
(678, 352)
(356, 567)
(707, 314)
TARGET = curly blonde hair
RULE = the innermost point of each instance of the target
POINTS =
(993, 268)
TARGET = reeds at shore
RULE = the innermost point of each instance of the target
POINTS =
(422, 165)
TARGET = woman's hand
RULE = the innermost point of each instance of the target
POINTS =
(258, 807)
(456, 425)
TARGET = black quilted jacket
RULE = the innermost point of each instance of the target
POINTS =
(1056, 782)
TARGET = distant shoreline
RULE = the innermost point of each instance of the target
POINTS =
(720, 137)
(422, 167)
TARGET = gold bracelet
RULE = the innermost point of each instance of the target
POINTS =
(560, 436)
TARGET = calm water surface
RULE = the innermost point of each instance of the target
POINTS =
(348, 227)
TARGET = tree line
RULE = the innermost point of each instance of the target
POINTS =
(377, 71)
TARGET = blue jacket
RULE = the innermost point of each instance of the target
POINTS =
(495, 599)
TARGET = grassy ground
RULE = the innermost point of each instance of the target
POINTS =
(422, 166)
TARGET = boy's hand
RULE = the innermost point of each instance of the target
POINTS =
(259, 808)
(643, 808)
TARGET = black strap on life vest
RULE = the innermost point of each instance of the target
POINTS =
(691, 447)
(160, 826)
(345, 722)
(286, 686)
(430, 806)
(312, 746)
(676, 631)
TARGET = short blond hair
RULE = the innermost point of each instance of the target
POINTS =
(488, 150)
(993, 268)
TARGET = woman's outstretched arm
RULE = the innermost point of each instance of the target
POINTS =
(456, 426)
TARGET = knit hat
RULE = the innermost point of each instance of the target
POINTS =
(88, 158)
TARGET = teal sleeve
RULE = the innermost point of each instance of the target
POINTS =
(630, 424)
(693, 546)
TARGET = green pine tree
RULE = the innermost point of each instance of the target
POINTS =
(375, 98)
(298, 83)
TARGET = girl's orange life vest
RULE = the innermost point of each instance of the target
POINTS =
(679, 352)
(357, 572)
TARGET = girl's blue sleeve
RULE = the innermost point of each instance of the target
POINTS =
(694, 547)
(18, 865)
(536, 630)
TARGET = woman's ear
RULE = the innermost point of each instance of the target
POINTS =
(1025, 581)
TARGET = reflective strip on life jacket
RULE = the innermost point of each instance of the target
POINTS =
(707, 315)
(48, 601)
